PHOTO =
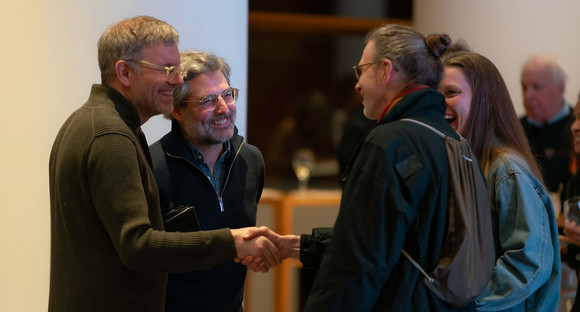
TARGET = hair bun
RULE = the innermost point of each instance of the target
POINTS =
(437, 44)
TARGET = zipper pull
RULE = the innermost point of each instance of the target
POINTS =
(221, 204)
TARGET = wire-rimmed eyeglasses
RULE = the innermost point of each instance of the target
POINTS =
(358, 69)
(170, 72)
(210, 102)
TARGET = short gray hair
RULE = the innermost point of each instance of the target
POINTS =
(126, 40)
(194, 63)
(556, 67)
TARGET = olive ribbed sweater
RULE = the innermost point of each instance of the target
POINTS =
(108, 248)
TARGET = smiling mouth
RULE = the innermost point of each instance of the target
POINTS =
(219, 121)
(450, 119)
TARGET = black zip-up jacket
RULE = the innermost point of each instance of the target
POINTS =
(395, 197)
(180, 182)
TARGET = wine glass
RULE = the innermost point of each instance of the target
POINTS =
(572, 209)
(302, 163)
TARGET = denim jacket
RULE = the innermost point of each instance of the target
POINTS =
(527, 271)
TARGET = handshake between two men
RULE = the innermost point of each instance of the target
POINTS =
(260, 248)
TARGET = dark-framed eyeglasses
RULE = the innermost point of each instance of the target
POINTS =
(170, 72)
(358, 69)
(210, 102)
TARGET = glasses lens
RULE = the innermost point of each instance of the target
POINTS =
(230, 96)
(357, 71)
(209, 102)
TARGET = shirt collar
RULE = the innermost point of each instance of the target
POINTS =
(559, 116)
(198, 156)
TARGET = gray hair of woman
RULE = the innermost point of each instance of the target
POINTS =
(417, 57)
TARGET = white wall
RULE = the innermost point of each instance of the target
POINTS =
(48, 62)
(508, 32)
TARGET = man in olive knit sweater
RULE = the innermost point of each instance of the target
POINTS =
(109, 250)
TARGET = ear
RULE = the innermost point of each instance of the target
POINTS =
(177, 112)
(387, 75)
(124, 72)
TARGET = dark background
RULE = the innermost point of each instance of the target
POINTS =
(301, 83)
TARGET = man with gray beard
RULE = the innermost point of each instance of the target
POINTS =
(204, 163)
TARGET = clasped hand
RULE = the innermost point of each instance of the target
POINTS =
(260, 249)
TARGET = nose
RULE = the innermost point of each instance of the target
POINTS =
(222, 105)
(176, 81)
(357, 87)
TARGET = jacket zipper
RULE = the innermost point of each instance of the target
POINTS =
(229, 169)
(228, 175)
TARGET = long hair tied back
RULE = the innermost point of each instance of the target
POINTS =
(437, 44)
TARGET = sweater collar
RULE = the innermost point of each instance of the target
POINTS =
(561, 114)
(126, 109)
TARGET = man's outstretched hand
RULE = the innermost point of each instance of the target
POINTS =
(288, 246)
(260, 251)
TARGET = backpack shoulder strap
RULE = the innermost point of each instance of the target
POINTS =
(441, 134)
(417, 265)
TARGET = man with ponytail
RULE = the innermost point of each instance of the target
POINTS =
(396, 184)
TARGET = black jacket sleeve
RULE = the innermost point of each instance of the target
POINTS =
(312, 246)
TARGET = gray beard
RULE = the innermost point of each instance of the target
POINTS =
(213, 140)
